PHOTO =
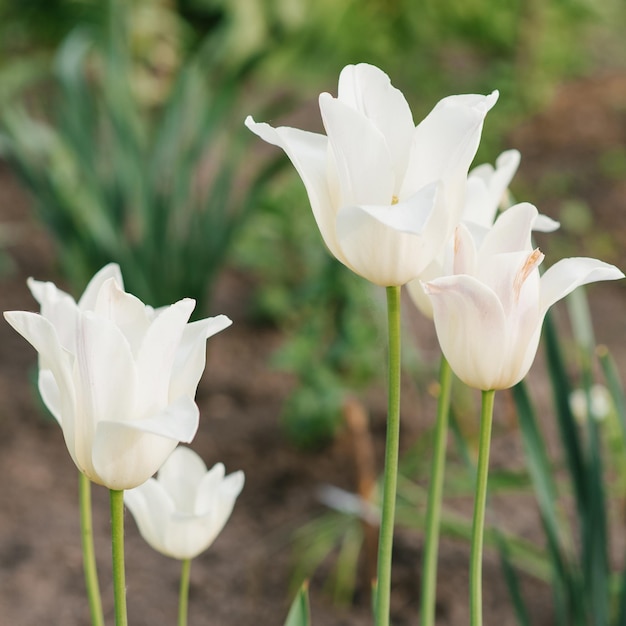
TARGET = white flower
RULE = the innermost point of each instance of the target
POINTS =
(118, 376)
(386, 194)
(183, 510)
(486, 192)
(488, 314)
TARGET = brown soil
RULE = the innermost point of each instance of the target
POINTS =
(244, 579)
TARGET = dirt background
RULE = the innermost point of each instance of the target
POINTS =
(571, 158)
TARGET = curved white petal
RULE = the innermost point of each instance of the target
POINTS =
(180, 476)
(472, 330)
(308, 153)
(563, 277)
(87, 301)
(152, 508)
(126, 311)
(208, 489)
(511, 231)
(364, 166)
(50, 394)
(545, 224)
(445, 142)
(190, 356)
(380, 243)
(126, 454)
(157, 354)
(367, 89)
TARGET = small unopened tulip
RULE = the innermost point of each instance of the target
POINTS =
(118, 376)
(182, 511)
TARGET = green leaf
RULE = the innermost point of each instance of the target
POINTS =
(300, 613)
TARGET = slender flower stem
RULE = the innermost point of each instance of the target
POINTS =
(480, 499)
(89, 553)
(183, 596)
(385, 542)
(435, 494)
(117, 546)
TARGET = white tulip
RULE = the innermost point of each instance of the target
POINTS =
(183, 510)
(386, 194)
(487, 191)
(488, 314)
(118, 376)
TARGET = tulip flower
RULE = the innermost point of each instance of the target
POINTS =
(386, 194)
(118, 376)
(486, 192)
(183, 510)
(488, 314)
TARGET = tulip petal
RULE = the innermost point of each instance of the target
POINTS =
(191, 355)
(126, 454)
(445, 142)
(367, 89)
(308, 152)
(364, 166)
(207, 493)
(511, 231)
(88, 300)
(50, 394)
(157, 354)
(471, 328)
(59, 308)
(152, 507)
(126, 311)
(42, 335)
(180, 476)
(563, 277)
(545, 224)
(382, 243)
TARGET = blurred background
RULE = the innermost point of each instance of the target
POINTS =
(122, 139)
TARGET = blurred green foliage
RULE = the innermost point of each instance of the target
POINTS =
(135, 166)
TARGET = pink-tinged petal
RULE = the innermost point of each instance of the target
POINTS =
(381, 244)
(364, 166)
(445, 142)
(191, 355)
(465, 254)
(563, 277)
(511, 232)
(126, 311)
(126, 454)
(308, 152)
(181, 475)
(367, 89)
(152, 509)
(471, 328)
(88, 300)
(157, 354)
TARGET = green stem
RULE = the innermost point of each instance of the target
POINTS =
(435, 494)
(89, 553)
(183, 596)
(117, 546)
(480, 500)
(385, 542)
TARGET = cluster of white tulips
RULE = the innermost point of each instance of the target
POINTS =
(120, 379)
(396, 203)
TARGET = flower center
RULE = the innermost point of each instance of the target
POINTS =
(394, 200)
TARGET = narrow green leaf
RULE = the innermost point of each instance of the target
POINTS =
(300, 613)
